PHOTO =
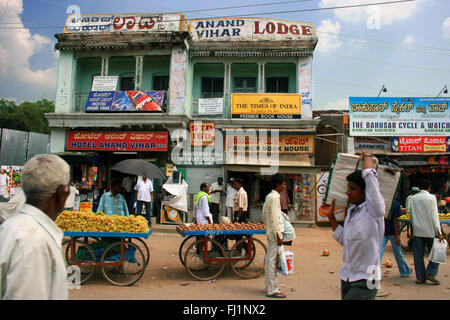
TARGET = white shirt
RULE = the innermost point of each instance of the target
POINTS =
(231, 194)
(31, 261)
(144, 190)
(70, 201)
(202, 211)
(3, 179)
(424, 215)
(362, 234)
(272, 217)
(215, 196)
(127, 183)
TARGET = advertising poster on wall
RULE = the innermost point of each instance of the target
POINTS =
(414, 117)
(10, 181)
(122, 101)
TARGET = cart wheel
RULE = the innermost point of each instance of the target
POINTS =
(144, 248)
(252, 266)
(183, 247)
(195, 264)
(130, 271)
(84, 254)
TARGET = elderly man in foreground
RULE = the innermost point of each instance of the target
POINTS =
(31, 262)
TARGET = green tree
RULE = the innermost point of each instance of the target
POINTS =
(26, 116)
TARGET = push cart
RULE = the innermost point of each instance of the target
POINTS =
(122, 257)
(205, 254)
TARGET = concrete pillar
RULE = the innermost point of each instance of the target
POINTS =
(66, 75)
(261, 77)
(304, 85)
(105, 66)
(138, 73)
(227, 89)
(178, 81)
(58, 140)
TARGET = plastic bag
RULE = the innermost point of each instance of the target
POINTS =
(281, 262)
(289, 232)
(438, 253)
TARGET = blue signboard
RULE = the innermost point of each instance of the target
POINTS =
(141, 101)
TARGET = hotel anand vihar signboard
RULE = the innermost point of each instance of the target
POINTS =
(416, 117)
(245, 29)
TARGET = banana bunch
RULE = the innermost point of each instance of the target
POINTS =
(442, 216)
(89, 221)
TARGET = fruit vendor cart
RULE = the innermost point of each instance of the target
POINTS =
(122, 257)
(205, 253)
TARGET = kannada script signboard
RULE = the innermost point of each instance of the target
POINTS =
(399, 116)
(117, 141)
(289, 144)
(247, 29)
(419, 144)
(88, 23)
(266, 106)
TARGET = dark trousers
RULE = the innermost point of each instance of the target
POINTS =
(357, 290)
(419, 244)
(215, 211)
(241, 219)
(148, 210)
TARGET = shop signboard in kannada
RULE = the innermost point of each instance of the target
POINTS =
(419, 144)
(266, 106)
(248, 29)
(376, 116)
(117, 141)
(79, 23)
(136, 101)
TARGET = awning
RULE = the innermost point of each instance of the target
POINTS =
(281, 169)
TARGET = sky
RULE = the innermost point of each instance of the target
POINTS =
(403, 46)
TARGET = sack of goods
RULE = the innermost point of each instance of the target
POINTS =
(388, 175)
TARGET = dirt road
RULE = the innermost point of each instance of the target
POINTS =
(315, 278)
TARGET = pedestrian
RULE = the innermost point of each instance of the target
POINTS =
(392, 234)
(425, 226)
(144, 196)
(361, 234)
(112, 202)
(273, 221)
(4, 179)
(202, 214)
(70, 202)
(240, 201)
(216, 191)
(127, 183)
(31, 261)
(229, 201)
(414, 190)
(285, 201)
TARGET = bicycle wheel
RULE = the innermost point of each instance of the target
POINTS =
(130, 271)
(183, 247)
(405, 236)
(144, 248)
(252, 266)
(82, 256)
(199, 266)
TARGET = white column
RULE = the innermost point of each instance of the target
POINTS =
(178, 81)
(138, 73)
(304, 83)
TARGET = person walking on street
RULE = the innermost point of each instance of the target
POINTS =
(273, 221)
(391, 233)
(31, 261)
(112, 202)
(202, 199)
(414, 191)
(240, 201)
(229, 201)
(362, 233)
(144, 196)
(215, 192)
(285, 201)
(425, 225)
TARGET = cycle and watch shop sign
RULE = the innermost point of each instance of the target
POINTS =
(418, 116)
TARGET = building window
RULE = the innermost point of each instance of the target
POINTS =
(161, 83)
(127, 84)
(212, 87)
(245, 85)
(279, 84)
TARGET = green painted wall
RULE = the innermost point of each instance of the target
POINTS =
(154, 66)
(283, 70)
(87, 68)
(122, 67)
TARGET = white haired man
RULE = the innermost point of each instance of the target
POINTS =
(31, 261)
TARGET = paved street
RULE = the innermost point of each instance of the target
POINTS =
(316, 276)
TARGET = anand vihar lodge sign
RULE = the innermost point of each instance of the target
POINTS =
(414, 117)
(247, 29)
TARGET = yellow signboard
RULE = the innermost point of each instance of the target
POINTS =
(287, 144)
(266, 105)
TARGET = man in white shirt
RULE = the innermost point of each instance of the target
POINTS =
(229, 201)
(273, 221)
(215, 192)
(425, 226)
(202, 199)
(361, 235)
(4, 184)
(31, 261)
(144, 196)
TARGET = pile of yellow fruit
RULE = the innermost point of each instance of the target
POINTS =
(89, 221)
(442, 216)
